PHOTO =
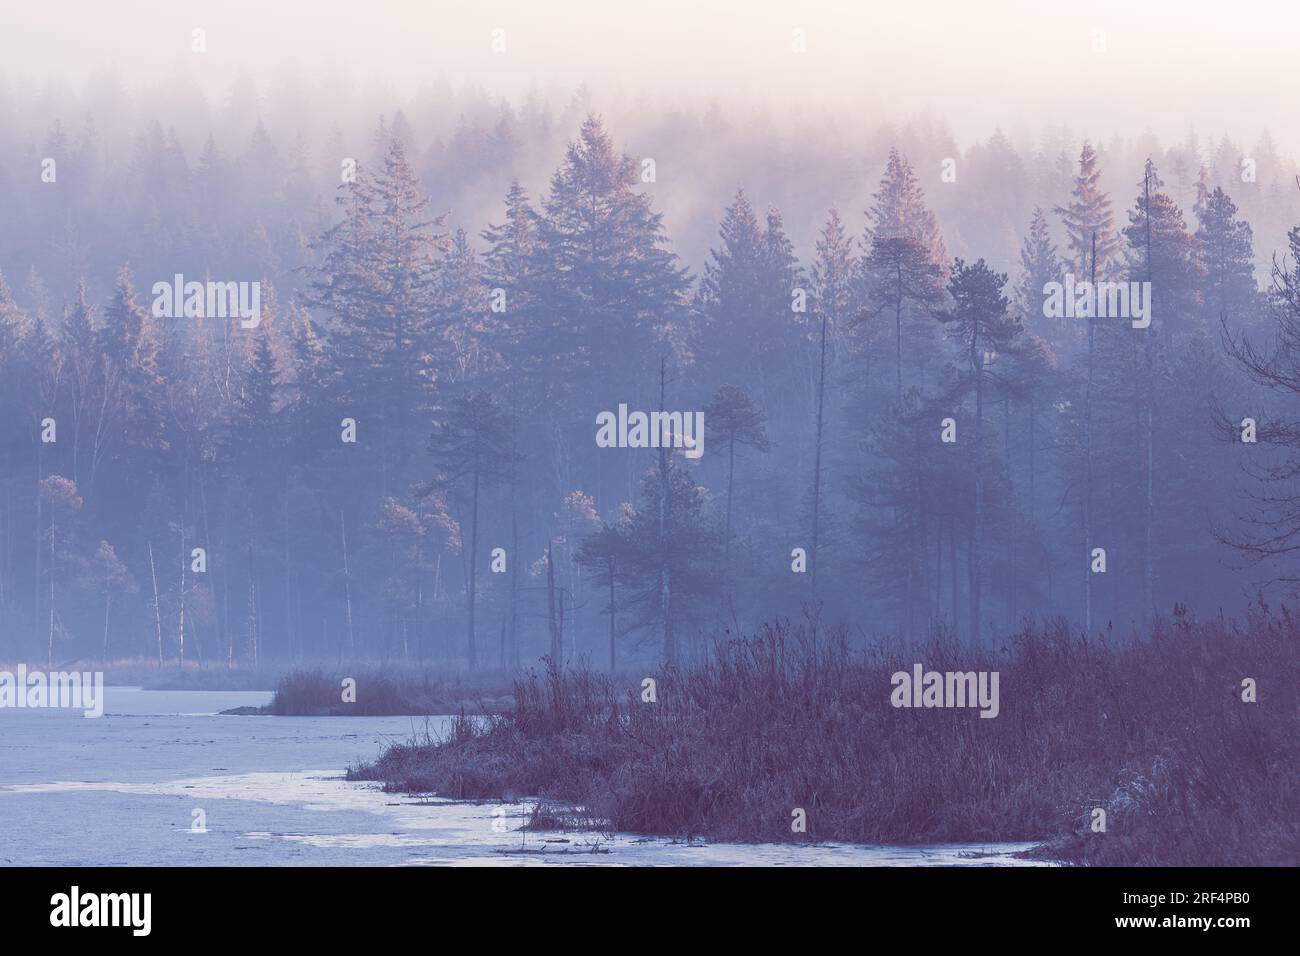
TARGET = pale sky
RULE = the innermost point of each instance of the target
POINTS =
(1167, 65)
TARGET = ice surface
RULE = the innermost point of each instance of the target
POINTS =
(121, 790)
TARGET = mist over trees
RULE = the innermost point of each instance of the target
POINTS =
(399, 460)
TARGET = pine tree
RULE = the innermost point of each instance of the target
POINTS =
(832, 288)
(901, 285)
(980, 325)
(1162, 252)
(1029, 382)
(899, 211)
(1089, 214)
(905, 267)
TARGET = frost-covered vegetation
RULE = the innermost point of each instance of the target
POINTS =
(1153, 731)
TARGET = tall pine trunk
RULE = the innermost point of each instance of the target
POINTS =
(817, 459)
(977, 532)
(1148, 586)
(726, 541)
(665, 495)
(473, 572)
(898, 339)
(1087, 454)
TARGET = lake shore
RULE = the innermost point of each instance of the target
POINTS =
(1145, 752)
(305, 689)
(272, 793)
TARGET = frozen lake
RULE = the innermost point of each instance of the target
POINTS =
(122, 790)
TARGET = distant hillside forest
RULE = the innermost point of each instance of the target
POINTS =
(399, 460)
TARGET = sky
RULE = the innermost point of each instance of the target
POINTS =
(1023, 65)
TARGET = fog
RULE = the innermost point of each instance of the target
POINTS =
(227, 143)
(1023, 64)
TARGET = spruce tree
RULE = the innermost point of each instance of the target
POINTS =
(1040, 264)
(469, 346)
(608, 288)
(379, 277)
(1227, 259)
(505, 272)
(732, 294)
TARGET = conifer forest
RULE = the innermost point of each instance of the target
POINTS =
(802, 432)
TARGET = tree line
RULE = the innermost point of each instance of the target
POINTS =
(399, 460)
